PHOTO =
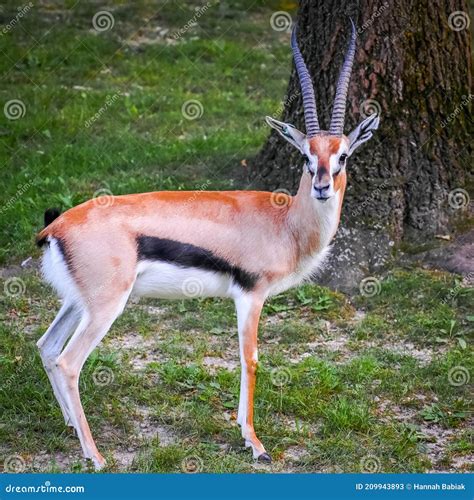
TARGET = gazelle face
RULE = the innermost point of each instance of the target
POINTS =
(326, 154)
(326, 163)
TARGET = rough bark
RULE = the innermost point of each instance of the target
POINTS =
(417, 70)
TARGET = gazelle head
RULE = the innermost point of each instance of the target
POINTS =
(325, 152)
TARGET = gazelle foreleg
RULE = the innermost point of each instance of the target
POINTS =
(249, 308)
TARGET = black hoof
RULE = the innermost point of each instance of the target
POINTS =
(265, 458)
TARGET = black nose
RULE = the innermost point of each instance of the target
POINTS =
(322, 189)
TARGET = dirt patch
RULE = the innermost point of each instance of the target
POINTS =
(139, 350)
(296, 453)
(149, 36)
(434, 440)
(423, 356)
(148, 428)
(215, 363)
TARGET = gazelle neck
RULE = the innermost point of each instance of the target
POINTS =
(314, 223)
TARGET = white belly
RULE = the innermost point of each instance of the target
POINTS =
(168, 281)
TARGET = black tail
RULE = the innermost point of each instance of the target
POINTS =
(50, 215)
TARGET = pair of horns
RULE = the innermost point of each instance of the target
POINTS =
(309, 101)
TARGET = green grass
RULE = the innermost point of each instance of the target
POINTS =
(342, 385)
(341, 409)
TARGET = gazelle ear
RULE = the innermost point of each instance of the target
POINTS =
(289, 132)
(363, 132)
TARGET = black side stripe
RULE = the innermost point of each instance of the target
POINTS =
(187, 255)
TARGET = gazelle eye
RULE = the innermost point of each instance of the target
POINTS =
(342, 159)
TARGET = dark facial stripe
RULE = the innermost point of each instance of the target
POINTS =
(321, 172)
(187, 255)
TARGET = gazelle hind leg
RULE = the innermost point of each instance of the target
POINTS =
(51, 344)
(248, 315)
(91, 330)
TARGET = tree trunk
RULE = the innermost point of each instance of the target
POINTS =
(413, 64)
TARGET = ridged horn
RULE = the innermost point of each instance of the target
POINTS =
(309, 101)
(339, 108)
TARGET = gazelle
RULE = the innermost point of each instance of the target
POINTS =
(237, 244)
